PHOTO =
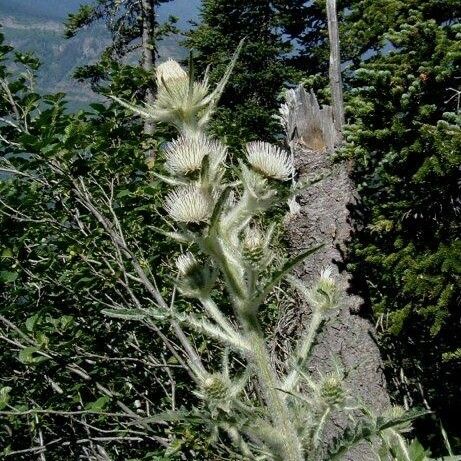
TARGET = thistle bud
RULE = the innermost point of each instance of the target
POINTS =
(332, 391)
(253, 246)
(186, 264)
(177, 102)
(215, 388)
(325, 294)
(170, 72)
(195, 279)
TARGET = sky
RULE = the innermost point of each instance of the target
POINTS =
(36, 26)
(58, 9)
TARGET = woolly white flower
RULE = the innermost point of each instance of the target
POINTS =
(325, 294)
(186, 154)
(189, 204)
(185, 104)
(253, 246)
(177, 101)
(170, 71)
(269, 160)
(186, 263)
(325, 276)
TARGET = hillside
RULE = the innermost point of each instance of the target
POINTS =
(37, 26)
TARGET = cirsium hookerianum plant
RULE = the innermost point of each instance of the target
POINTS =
(220, 221)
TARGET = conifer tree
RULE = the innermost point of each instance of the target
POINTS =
(133, 25)
(264, 67)
(406, 141)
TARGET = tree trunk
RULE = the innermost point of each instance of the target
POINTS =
(323, 217)
(336, 85)
(148, 59)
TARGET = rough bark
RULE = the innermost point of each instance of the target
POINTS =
(336, 85)
(323, 217)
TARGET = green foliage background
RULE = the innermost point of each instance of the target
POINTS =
(65, 354)
(402, 73)
(405, 141)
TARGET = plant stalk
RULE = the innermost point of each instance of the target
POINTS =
(270, 386)
(303, 351)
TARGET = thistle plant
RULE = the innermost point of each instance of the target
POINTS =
(218, 215)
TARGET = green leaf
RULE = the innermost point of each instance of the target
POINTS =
(124, 193)
(181, 237)
(136, 109)
(280, 274)
(99, 404)
(31, 322)
(4, 396)
(8, 277)
(350, 437)
(386, 423)
(98, 107)
(27, 356)
(217, 211)
(7, 253)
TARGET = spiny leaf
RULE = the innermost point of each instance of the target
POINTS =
(385, 423)
(136, 109)
(350, 437)
(181, 237)
(217, 211)
(170, 180)
(27, 356)
(287, 267)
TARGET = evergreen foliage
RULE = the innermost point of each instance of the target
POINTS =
(123, 20)
(405, 140)
(265, 66)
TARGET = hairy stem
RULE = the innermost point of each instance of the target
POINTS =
(215, 313)
(304, 350)
(270, 386)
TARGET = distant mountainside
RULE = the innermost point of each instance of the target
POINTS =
(37, 26)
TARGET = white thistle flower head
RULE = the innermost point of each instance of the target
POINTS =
(186, 264)
(185, 155)
(189, 204)
(269, 160)
(170, 71)
(325, 294)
